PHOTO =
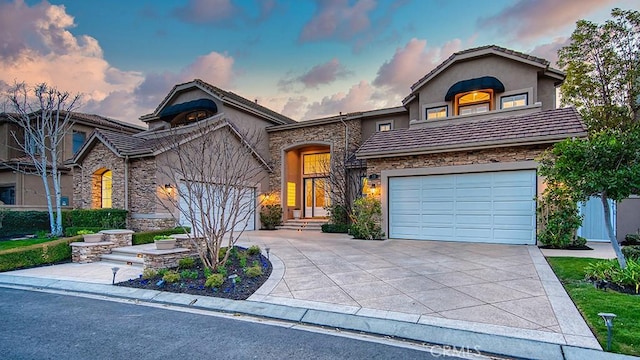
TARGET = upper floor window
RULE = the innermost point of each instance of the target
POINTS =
(30, 144)
(316, 163)
(384, 126)
(190, 117)
(78, 139)
(439, 112)
(474, 102)
(512, 101)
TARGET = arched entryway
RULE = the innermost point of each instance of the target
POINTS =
(305, 181)
(102, 193)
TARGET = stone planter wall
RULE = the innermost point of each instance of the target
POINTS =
(82, 252)
(159, 259)
(121, 238)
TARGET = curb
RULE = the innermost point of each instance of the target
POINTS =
(462, 340)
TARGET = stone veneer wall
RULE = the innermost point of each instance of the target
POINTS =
(486, 156)
(84, 190)
(333, 133)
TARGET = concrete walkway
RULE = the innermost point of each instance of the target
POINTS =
(504, 292)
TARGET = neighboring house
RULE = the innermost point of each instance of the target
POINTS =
(454, 162)
(24, 191)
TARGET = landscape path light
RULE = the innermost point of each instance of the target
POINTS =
(608, 321)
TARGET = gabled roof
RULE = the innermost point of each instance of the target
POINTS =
(226, 96)
(480, 52)
(337, 118)
(535, 128)
(155, 143)
(91, 120)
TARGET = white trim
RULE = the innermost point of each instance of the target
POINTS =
(425, 107)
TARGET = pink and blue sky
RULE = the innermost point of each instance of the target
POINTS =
(303, 58)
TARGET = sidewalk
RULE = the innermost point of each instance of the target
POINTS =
(374, 280)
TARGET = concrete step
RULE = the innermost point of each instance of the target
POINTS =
(122, 259)
(303, 224)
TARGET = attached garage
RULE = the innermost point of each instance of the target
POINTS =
(491, 207)
(204, 200)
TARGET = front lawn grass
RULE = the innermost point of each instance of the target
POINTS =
(591, 301)
(11, 244)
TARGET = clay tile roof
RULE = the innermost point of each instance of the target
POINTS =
(124, 144)
(540, 127)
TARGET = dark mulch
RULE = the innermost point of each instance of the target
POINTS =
(241, 290)
(606, 285)
(581, 247)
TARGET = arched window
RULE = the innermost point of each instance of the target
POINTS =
(106, 181)
(190, 117)
(474, 102)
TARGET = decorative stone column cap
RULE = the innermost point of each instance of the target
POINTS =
(117, 232)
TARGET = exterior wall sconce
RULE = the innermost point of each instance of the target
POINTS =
(168, 188)
(372, 189)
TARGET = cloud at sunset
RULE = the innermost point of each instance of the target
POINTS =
(529, 19)
(338, 19)
(206, 11)
(410, 63)
(358, 98)
(321, 74)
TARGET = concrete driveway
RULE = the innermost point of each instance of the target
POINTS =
(499, 289)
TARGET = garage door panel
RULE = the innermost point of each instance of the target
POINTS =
(480, 207)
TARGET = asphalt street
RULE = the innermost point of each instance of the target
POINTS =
(38, 325)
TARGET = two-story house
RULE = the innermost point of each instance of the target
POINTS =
(455, 161)
(20, 189)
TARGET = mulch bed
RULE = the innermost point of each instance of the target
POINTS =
(606, 285)
(582, 247)
(241, 290)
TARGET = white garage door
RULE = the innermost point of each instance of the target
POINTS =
(212, 205)
(494, 207)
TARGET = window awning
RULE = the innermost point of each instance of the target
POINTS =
(200, 104)
(485, 82)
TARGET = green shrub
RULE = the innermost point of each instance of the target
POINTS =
(367, 216)
(186, 263)
(162, 237)
(558, 219)
(102, 218)
(271, 216)
(189, 274)
(75, 230)
(149, 274)
(601, 270)
(146, 237)
(214, 280)
(162, 272)
(253, 250)
(222, 252)
(632, 252)
(253, 271)
(609, 271)
(338, 215)
(171, 276)
(335, 228)
(38, 254)
(222, 271)
(207, 272)
(243, 262)
(24, 222)
(632, 239)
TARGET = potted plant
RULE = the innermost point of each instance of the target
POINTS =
(164, 242)
(297, 213)
(90, 236)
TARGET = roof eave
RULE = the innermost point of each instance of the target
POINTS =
(551, 139)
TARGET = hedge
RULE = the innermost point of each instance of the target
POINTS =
(95, 218)
(146, 237)
(24, 222)
(631, 252)
(39, 254)
(335, 228)
(30, 222)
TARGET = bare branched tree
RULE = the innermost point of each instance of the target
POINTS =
(216, 170)
(44, 118)
(344, 183)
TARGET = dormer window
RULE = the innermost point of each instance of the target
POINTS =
(511, 101)
(439, 112)
(474, 102)
(190, 117)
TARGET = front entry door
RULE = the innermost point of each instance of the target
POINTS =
(316, 197)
